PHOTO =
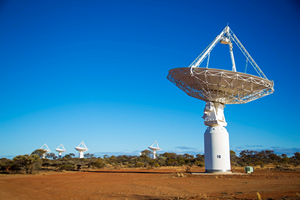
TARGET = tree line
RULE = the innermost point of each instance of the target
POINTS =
(35, 162)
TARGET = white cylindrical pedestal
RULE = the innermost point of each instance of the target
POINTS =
(216, 150)
(154, 154)
(81, 154)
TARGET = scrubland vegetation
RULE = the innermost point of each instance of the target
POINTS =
(34, 163)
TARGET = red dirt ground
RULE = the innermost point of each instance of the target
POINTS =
(150, 184)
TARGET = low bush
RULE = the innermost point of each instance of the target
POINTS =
(67, 167)
(139, 164)
(98, 164)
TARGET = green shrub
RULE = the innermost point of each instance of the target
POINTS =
(156, 165)
(67, 167)
(99, 164)
(27, 163)
(260, 163)
(139, 164)
(199, 163)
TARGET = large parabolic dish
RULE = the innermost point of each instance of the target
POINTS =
(221, 86)
(81, 149)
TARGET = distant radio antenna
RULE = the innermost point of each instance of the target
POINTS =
(46, 148)
(154, 148)
(60, 149)
(81, 148)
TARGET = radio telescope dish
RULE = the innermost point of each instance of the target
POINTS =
(154, 147)
(221, 86)
(60, 149)
(81, 148)
(46, 148)
(218, 87)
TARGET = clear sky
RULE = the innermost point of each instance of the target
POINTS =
(95, 71)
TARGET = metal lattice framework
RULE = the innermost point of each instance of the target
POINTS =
(222, 86)
(227, 34)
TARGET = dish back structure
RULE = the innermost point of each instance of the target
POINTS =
(218, 87)
(221, 86)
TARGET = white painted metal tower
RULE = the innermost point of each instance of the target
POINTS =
(81, 148)
(154, 147)
(218, 87)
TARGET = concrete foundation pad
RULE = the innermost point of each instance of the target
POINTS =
(217, 173)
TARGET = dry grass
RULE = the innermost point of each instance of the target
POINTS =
(258, 196)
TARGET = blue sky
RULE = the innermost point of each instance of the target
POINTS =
(95, 71)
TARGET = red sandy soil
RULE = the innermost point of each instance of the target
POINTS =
(150, 184)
